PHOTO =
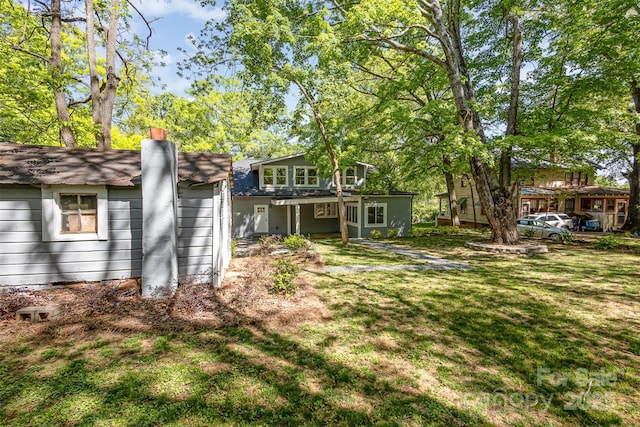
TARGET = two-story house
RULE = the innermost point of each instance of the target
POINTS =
(546, 188)
(288, 195)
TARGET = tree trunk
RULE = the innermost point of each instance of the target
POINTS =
(496, 200)
(633, 215)
(94, 77)
(111, 86)
(55, 63)
(453, 199)
(342, 212)
(103, 100)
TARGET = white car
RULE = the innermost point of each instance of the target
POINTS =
(528, 227)
(560, 220)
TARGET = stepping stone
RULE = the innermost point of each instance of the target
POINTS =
(38, 313)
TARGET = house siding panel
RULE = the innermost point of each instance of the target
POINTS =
(398, 215)
(195, 230)
(25, 259)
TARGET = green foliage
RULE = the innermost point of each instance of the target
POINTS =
(529, 233)
(376, 234)
(392, 233)
(285, 274)
(295, 242)
(566, 237)
(606, 242)
(234, 247)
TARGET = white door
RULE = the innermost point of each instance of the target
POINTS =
(261, 218)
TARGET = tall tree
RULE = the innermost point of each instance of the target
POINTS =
(280, 45)
(102, 98)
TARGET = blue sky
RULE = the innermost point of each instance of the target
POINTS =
(174, 21)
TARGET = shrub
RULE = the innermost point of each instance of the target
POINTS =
(286, 273)
(295, 242)
(566, 237)
(448, 229)
(417, 232)
(529, 233)
(392, 233)
(376, 234)
(234, 247)
(606, 242)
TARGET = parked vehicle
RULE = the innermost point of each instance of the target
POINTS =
(528, 227)
(559, 219)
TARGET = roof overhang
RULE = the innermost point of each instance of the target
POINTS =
(309, 200)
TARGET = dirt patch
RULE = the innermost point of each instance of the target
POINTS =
(244, 298)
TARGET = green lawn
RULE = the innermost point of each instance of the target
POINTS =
(544, 340)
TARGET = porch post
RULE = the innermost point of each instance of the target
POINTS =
(297, 219)
(288, 219)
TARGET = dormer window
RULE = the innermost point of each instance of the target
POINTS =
(275, 176)
(305, 176)
(350, 177)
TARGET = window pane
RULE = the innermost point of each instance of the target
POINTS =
(69, 201)
(281, 176)
(79, 213)
(380, 215)
(88, 202)
(371, 215)
(267, 176)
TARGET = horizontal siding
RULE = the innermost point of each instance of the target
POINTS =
(66, 247)
(26, 259)
(195, 230)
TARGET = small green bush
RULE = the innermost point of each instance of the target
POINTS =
(392, 233)
(417, 232)
(606, 242)
(566, 237)
(295, 242)
(286, 273)
(234, 247)
(448, 229)
(376, 234)
(529, 233)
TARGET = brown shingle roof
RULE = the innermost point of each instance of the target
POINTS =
(33, 164)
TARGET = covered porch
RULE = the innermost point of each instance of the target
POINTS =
(319, 211)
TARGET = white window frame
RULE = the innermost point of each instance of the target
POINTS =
(351, 209)
(306, 176)
(275, 175)
(354, 176)
(52, 212)
(367, 224)
(330, 210)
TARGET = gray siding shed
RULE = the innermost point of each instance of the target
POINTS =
(29, 256)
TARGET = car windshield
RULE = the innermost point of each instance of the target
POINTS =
(564, 216)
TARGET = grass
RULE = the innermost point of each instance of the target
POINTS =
(516, 341)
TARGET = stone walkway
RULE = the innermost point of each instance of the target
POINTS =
(429, 262)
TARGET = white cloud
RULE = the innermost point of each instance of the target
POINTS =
(190, 8)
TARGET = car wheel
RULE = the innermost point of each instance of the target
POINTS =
(554, 236)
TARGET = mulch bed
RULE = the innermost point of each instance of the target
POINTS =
(244, 298)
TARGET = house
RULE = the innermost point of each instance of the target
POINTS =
(72, 214)
(288, 195)
(546, 188)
